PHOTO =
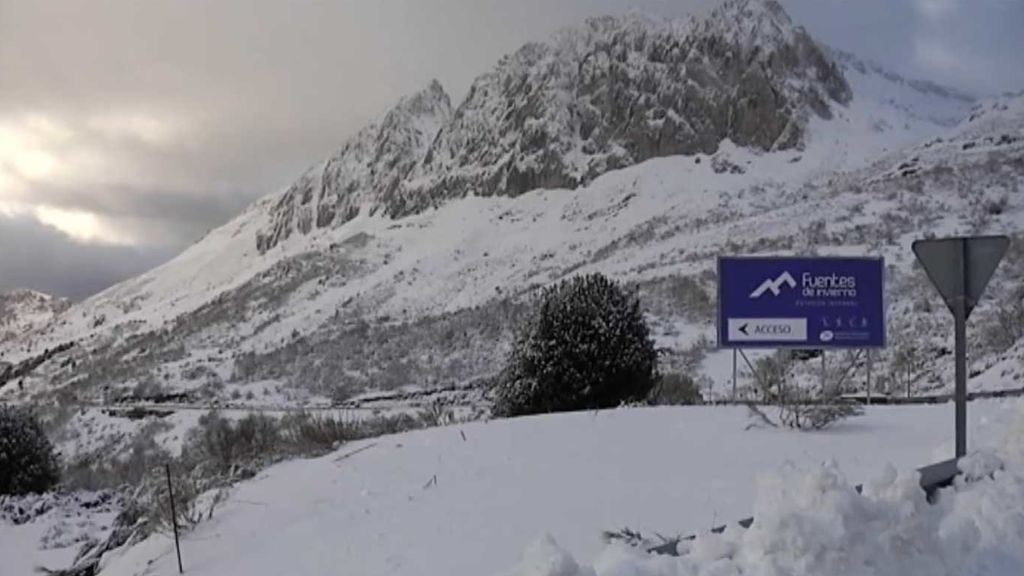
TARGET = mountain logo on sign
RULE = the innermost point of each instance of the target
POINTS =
(774, 285)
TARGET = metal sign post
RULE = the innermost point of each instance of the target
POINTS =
(960, 269)
(868, 382)
(960, 348)
(734, 375)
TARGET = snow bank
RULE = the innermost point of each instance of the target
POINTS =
(545, 558)
(51, 529)
(811, 521)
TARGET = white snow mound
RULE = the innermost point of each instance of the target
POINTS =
(812, 521)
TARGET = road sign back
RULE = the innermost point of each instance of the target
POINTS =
(961, 267)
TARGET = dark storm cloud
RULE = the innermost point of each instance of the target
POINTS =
(167, 217)
(174, 114)
(36, 256)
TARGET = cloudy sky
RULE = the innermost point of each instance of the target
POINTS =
(129, 128)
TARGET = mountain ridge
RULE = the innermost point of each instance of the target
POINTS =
(371, 163)
(375, 302)
(609, 93)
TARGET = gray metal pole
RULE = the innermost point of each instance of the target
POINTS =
(824, 392)
(734, 354)
(961, 381)
(960, 337)
(868, 387)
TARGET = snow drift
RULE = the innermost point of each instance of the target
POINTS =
(811, 521)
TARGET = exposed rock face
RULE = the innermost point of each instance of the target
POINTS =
(621, 90)
(613, 92)
(22, 311)
(367, 170)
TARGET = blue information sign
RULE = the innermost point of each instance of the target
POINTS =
(781, 302)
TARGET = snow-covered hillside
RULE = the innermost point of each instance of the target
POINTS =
(319, 294)
(390, 277)
(367, 171)
(466, 500)
(22, 311)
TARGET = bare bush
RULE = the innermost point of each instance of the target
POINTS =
(438, 412)
(817, 414)
(674, 389)
(226, 445)
(804, 412)
(384, 425)
(195, 500)
(907, 365)
(306, 433)
(257, 440)
(100, 472)
(796, 407)
(1007, 326)
(771, 374)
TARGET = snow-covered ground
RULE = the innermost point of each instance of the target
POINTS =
(48, 530)
(812, 520)
(468, 499)
(378, 305)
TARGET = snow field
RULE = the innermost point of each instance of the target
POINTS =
(431, 502)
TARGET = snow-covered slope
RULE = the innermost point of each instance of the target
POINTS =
(311, 295)
(617, 91)
(368, 170)
(466, 500)
(22, 311)
(49, 529)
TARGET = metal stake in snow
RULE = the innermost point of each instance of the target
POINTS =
(174, 517)
(960, 268)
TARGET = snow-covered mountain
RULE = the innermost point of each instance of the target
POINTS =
(368, 169)
(633, 146)
(618, 91)
(22, 311)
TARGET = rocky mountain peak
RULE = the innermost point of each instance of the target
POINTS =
(619, 90)
(431, 101)
(607, 94)
(22, 310)
(367, 170)
(755, 16)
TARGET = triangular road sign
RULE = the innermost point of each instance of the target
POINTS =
(961, 267)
